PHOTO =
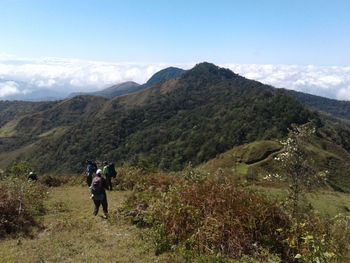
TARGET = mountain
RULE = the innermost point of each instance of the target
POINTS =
(206, 111)
(118, 90)
(192, 117)
(132, 87)
(113, 91)
(335, 108)
(38, 95)
(164, 75)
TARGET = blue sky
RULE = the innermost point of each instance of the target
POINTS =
(79, 45)
(260, 31)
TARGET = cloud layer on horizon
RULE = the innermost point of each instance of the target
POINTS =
(331, 82)
(20, 76)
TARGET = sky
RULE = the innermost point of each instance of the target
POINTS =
(69, 45)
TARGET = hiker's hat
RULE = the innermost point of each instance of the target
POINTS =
(99, 171)
(31, 173)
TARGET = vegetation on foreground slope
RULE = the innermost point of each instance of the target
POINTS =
(187, 216)
(200, 216)
(20, 201)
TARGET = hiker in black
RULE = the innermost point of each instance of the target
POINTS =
(91, 168)
(98, 193)
(32, 177)
(109, 172)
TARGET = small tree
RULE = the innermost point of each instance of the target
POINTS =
(299, 171)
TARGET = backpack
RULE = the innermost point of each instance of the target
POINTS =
(111, 170)
(94, 167)
(90, 168)
(97, 188)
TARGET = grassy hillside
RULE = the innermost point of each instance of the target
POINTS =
(71, 234)
(11, 110)
(68, 232)
(253, 162)
(207, 111)
(188, 216)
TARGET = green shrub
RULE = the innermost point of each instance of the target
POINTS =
(20, 202)
(19, 169)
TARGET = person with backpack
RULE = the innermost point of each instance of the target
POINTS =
(98, 193)
(109, 172)
(91, 168)
(32, 177)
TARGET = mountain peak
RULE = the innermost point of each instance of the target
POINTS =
(210, 69)
(164, 75)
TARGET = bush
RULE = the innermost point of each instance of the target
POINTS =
(54, 181)
(210, 218)
(213, 217)
(131, 178)
(20, 202)
(19, 169)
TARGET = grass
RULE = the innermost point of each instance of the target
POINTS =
(9, 129)
(236, 162)
(242, 168)
(327, 203)
(55, 132)
(71, 234)
(8, 157)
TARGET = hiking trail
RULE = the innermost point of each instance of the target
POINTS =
(72, 234)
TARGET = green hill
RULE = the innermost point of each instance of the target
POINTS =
(201, 113)
(206, 111)
(254, 162)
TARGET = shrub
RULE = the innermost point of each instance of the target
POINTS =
(19, 169)
(20, 202)
(214, 217)
(131, 178)
(210, 217)
(54, 181)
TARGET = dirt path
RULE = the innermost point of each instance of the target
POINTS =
(72, 234)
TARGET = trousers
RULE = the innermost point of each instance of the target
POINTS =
(98, 203)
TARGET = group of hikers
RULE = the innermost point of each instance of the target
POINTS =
(99, 181)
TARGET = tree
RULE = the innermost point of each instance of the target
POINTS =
(299, 171)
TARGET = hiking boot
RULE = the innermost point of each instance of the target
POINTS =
(105, 216)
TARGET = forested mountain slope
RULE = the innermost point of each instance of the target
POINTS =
(206, 111)
(191, 118)
(335, 108)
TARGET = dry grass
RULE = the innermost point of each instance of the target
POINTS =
(72, 234)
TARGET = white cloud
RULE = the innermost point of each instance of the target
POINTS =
(67, 75)
(332, 82)
(8, 88)
(70, 75)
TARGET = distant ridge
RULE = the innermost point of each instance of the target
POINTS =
(132, 87)
(335, 108)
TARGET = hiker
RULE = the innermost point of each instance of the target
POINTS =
(91, 168)
(109, 172)
(32, 177)
(98, 193)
